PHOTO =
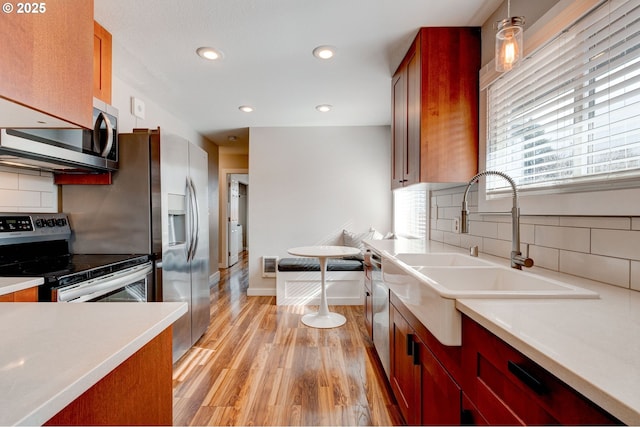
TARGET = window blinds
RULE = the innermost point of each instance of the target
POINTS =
(570, 114)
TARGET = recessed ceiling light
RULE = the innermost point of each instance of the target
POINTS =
(209, 53)
(323, 108)
(245, 108)
(232, 138)
(324, 52)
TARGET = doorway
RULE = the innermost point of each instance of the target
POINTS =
(237, 229)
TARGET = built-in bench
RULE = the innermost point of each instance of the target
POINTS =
(298, 281)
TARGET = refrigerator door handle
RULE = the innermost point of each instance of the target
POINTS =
(196, 215)
(190, 218)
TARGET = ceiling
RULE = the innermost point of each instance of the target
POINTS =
(268, 61)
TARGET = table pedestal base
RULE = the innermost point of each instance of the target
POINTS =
(330, 320)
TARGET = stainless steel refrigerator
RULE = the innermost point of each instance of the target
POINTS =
(157, 204)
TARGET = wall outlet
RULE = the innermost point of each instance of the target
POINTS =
(456, 225)
(137, 107)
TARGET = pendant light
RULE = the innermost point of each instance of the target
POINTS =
(509, 43)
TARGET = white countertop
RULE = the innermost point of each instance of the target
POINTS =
(591, 344)
(53, 352)
(15, 284)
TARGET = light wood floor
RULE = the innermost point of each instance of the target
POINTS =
(257, 364)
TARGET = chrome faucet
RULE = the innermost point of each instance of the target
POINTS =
(517, 260)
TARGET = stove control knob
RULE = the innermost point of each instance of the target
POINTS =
(40, 223)
(61, 222)
(51, 222)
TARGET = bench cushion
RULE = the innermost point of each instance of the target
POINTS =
(312, 264)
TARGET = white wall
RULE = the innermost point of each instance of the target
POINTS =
(307, 184)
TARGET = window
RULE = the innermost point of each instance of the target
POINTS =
(569, 116)
(410, 211)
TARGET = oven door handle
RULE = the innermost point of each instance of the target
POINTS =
(93, 288)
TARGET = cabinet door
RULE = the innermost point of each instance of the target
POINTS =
(508, 388)
(441, 396)
(405, 369)
(102, 46)
(412, 148)
(399, 131)
(25, 295)
(47, 59)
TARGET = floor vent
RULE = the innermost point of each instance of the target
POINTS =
(269, 265)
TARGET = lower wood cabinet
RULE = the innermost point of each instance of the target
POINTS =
(425, 391)
(25, 295)
(483, 382)
(506, 387)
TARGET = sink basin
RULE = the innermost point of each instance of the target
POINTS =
(441, 260)
(430, 284)
(497, 282)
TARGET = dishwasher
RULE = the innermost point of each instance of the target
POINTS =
(380, 307)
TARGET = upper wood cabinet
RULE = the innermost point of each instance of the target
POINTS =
(102, 47)
(46, 71)
(435, 108)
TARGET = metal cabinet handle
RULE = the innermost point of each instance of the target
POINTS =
(527, 378)
(416, 353)
(409, 344)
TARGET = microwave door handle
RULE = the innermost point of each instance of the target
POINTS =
(102, 117)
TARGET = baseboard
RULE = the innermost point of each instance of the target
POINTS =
(261, 292)
(214, 278)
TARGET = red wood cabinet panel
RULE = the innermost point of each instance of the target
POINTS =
(435, 108)
(506, 387)
(47, 60)
(405, 371)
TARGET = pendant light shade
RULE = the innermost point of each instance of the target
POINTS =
(509, 41)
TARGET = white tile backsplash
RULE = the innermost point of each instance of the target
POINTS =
(24, 190)
(605, 249)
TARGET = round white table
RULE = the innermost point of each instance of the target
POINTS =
(324, 318)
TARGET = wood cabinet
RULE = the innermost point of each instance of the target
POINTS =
(47, 64)
(426, 392)
(25, 295)
(102, 47)
(137, 392)
(435, 108)
(506, 387)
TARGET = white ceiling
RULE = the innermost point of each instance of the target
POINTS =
(267, 61)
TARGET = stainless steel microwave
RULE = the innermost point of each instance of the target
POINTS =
(66, 150)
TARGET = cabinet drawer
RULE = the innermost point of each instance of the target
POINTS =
(509, 388)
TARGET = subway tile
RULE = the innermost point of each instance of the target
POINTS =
(8, 181)
(616, 243)
(49, 200)
(501, 248)
(437, 235)
(21, 199)
(452, 212)
(444, 200)
(526, 232)
(614, 271)
(483, 229)
(540, 220)
(569, 238)
(35, 183)
(469, 240)
(635, 275)
(635, 223)
(545, 257)
(618, 223)
(452, 239)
